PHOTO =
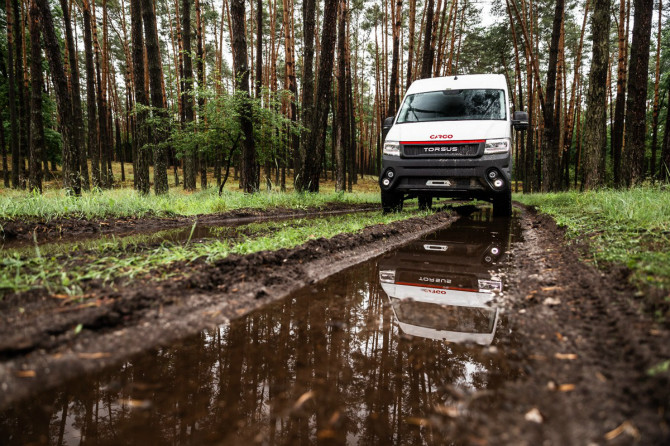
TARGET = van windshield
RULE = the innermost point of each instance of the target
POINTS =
(453, 105)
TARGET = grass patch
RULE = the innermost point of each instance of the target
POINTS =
(630, 227)
(112, 259)
(126, 202)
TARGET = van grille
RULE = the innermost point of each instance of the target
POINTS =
(440, 150)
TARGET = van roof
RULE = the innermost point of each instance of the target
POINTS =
(466, 81)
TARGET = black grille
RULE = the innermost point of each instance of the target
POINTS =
(440, 150)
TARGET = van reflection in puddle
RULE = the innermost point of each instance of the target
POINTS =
(441, 286)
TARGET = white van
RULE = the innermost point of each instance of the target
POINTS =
(452, 137)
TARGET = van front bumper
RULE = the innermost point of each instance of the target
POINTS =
(472, 178)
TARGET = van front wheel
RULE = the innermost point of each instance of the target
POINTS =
(391, 202)
(502, 205)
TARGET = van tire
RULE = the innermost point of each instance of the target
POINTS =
(425, 202)
(392, 202)
(502, 205)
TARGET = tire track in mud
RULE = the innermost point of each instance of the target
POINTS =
(585, 350)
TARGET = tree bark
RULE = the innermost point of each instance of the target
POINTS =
(37, 142)
(157, 95)
(634, 148)
(91, 109)
(13, 112)
(308, 19)
(550, 140)
(311, 168)
(410, 44)
(657, 81)
(595, 133)
(427, 58)
(249, 178)
(187, 93)
(393, 85)
(71, 179)
(78, 124)
(200, 51)
(141, 139)
(342, 123)
(620, 102)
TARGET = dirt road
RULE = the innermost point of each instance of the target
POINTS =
(581, 359)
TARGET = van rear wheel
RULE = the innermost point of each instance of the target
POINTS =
(425, 202)
(392, 202)
(502, 205)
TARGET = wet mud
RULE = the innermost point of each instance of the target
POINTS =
(497, 333)
(374, 355)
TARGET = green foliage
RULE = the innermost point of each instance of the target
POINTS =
(124, 202)
(120, 258)
(630, 227)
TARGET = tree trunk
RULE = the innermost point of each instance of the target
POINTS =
(71, 179)
(78, 124)
(657, 81)
(393, 86)
(308, 19)
(620, 103)
(23, 93)
(201, 85)
(187, 94)
(410, 44)
(634, 148)
(595, 133)
(290, 83)
(342, 123)
(550, 147)
(140, 140)
(13, 112)
(91, 109)
(427, 58)
(248, 179)
(157, 95)
(665, 148)
(37, 142)
(259, 47)
(316, 139)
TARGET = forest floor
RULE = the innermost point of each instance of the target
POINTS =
(593, 364)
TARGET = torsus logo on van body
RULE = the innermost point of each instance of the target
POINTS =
(439, 149)
(441, 136)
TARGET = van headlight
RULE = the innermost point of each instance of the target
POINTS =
(392, 148)
(387, 276)
(501, 145)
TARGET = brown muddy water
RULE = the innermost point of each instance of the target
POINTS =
(381, 353)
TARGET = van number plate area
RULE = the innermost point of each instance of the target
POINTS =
(438, 183)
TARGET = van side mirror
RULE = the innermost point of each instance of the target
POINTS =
(520, 120)
(386, 126)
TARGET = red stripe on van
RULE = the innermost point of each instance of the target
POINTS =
(448, 141)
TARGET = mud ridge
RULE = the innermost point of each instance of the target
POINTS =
(22, 231)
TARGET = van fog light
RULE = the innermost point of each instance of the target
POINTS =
(386, 181)
(390, 174)
(493, 174)
(498, 183)
(495, 251)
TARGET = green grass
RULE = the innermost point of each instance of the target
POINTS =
(126, 202)
(112, 259)
(630, 227)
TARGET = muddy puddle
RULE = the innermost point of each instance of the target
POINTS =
(386, 352)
